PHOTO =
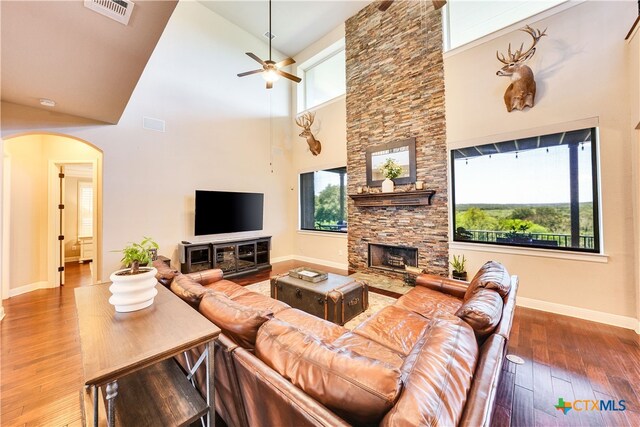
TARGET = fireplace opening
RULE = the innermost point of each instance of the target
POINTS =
(392, 258)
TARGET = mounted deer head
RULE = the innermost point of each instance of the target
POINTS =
(522, 90)
(305, 121)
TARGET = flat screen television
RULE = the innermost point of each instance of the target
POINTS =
(227, 212)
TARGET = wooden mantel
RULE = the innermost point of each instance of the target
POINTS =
(397, 198)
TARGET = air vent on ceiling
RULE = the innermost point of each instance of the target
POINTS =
(118, 10)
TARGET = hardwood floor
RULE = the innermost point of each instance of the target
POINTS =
(41, 372)
(41, 369)
(571, 359)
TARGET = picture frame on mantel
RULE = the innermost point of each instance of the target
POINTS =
(403, 152)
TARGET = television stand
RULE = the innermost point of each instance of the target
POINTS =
(234, 257)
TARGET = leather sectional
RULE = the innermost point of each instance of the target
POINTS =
(432, 358)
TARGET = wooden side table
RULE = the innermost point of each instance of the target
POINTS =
(127, 358)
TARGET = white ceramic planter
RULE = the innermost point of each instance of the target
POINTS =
(133, 292)
(387, 186)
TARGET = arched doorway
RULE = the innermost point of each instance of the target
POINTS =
(35, 212)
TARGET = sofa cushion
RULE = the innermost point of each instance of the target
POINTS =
(239, 322)
(428, 303)
(482, 311)
(394, 327)
(165, 273)
(187, 289)
(357, 388)
(263, 302)
(228, 288)
(362, 346)
(437, 376)
(323, 329)
(492, 275)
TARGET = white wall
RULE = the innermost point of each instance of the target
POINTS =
(330, 127)
(219, 136)
(28, 211)
(633, 49)
(581, 72)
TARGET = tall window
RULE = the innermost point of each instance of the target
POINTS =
(535, 192)
(324, 80)
(323, 200)
(85, 209)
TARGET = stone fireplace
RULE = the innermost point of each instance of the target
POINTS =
(392, 258)
(395, 91)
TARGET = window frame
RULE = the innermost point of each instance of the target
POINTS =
(595, 186)
(300, 199)
(314, 61)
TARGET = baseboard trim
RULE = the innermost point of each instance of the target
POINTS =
(28, 288)
(72, 259)
(580, 313)
(311, 260)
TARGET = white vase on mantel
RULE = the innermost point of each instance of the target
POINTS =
(387, 186)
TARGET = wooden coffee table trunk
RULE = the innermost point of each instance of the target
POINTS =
(337, 299)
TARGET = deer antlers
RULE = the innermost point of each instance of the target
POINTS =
(306, 120)
(518, 55)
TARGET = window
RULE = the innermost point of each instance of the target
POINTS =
(324, 80)
(323, 200)
(85, 209)
(535, 192)
(467, 21)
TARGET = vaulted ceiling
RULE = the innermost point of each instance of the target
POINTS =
(87, 63)
(296, 24)
(90, 64)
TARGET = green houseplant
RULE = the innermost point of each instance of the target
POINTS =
(135, 255)
(458, 266)
(390, 170)
(134, 288)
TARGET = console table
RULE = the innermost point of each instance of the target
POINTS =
(127, 360)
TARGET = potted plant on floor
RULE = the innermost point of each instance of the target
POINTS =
(458, 266)
(390, 170)
(133, 288)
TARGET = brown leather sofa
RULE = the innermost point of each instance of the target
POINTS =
(432, 358)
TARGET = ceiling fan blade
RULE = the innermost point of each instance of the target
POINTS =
(253, 56)
(289, 76)
(285, 62)
(248, 73)
(384, 5)
(269, 85)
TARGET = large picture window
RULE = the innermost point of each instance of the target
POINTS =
(534, 192)
(323, 200)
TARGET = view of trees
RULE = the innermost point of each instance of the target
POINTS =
(550, 218)
(327, 209)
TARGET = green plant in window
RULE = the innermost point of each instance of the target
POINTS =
(390, 169)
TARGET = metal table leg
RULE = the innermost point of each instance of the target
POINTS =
(112, 392)
(211, 398)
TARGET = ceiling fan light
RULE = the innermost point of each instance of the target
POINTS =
(270, 75)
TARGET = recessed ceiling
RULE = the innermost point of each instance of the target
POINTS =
(85, 62)
(296, 24)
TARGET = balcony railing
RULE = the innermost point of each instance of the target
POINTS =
(535, 239)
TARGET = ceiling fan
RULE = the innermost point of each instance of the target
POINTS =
(384, 5)
(270, 69)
